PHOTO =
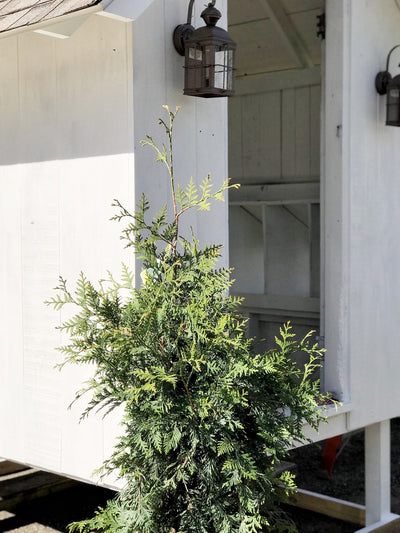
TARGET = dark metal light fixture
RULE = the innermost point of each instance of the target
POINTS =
(209, 55)
(385, 84)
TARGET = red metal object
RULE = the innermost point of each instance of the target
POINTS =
(330, 453)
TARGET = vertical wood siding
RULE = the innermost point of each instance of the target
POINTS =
(276, 136)
(73, 114)
(65, 146)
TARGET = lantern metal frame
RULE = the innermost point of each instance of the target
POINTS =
(384, 84)
(209, 55)
(384, 77)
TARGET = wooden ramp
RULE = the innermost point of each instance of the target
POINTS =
(19, 484)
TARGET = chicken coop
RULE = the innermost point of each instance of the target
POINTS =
(312, 232)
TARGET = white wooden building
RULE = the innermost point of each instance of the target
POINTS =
(313, 229)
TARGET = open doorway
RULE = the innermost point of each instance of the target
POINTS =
(274, 153)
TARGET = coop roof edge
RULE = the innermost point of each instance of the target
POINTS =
(17, 16)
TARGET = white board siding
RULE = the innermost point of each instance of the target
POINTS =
(73, 113)
(246, 250)
(374, 216)
(235, 121)
(315, 130)
(286, 251)
(277, 136)
(201, 129)
(11, 375)
(362, 195)
(40, 263)
(275, 129)
(261, 134)
(65, 156)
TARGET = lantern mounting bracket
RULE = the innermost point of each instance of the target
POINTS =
(184, 31)
(384, 77)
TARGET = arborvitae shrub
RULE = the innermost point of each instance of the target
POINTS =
(205, 418)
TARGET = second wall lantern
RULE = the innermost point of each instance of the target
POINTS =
(209, 55)
(385, 84)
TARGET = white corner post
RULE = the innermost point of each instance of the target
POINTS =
(377, 472)
(377, 477)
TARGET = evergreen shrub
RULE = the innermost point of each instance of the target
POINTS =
(206, 420)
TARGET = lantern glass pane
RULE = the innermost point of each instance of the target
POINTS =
(224, 69)
(209, 60)
(220, 61)
(193, 78)
(196, 54)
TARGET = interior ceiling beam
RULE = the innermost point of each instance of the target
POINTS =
(288, 32)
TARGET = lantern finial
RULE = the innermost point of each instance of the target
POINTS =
(211, 15)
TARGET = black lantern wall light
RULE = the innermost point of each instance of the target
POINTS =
(209, 55)
(385, 84)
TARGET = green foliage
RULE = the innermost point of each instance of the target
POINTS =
(206, 419)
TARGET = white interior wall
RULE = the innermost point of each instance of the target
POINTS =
(274, 138)
(246, 254)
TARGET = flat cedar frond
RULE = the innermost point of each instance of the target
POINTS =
(205, 418)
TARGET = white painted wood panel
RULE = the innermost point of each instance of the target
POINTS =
(283, 124)
(261, 137)
(276, 134)
(294, 6)
(235, 139)
(201, 129)
(260, 49)
(40, 264)
(264, 47)
(73, 113)
(286, 251)
(246, 250)
(362, 196)
(289, 133)
(254, 10)
(11, 347)
(39, 415)
(11, 344)
(301, 133)
(72, 123)
(277, 81)
(315, 130)
(301, 121)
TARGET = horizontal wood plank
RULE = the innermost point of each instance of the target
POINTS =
(259, 303)
(276, 194)
(328, 506)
